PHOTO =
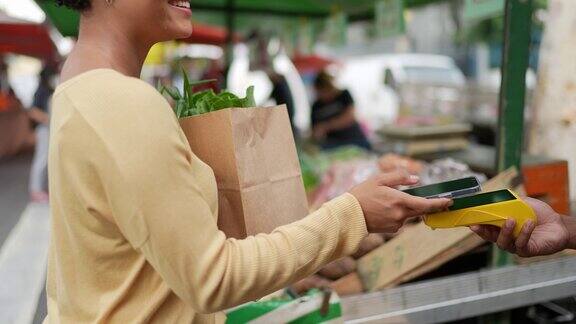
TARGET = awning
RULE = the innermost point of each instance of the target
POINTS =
(310, 63)
(27, 38)
(248, 13)
(212, 35)
(66, 21)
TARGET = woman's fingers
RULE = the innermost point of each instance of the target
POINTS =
(421, 206)
(505, 240)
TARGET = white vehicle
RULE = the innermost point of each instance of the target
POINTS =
(377, 81)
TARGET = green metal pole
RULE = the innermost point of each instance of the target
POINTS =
(231, 27)
(515, 55)
(515, 59)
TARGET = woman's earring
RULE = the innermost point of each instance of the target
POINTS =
(109, 2)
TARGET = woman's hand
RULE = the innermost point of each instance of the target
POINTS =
(549, 235)
(386, 209)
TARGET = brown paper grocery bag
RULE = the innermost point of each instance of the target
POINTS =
(253, 155)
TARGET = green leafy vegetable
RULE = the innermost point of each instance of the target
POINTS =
(190, 103)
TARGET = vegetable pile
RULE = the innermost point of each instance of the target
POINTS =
(195, 103)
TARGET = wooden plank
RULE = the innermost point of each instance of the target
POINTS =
(467, 244)
(351, 284)
(413, 248)
(544, 258)
(504, 180)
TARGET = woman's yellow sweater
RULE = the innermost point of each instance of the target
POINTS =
(134, 236)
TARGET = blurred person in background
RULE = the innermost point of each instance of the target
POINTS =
(282, 95)
(8, 98)
(333, 121)
(4, 86)
(213, 71)
(39, 114)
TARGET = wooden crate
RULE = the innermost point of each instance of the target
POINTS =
(548, 181)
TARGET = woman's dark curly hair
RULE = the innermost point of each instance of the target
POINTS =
(79, 5)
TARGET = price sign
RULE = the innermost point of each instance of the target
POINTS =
(389, 18)
(482, 9)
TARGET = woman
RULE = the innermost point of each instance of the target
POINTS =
(333, 120)
(134, 235)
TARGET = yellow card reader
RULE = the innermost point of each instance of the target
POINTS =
(490, 208)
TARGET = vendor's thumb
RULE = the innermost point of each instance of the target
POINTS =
(397, 178)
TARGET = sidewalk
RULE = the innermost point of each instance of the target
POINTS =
(23, 246)
(23, 258)
(13, 191)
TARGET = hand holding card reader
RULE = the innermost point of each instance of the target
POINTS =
(491, 208)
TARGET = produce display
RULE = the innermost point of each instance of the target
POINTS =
(391, 162)
(315, 164)
(190, 103)
(447, 169)
(341, 177)
(329, 174)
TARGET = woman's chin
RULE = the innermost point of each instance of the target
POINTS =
(183, 32)
(180, 33)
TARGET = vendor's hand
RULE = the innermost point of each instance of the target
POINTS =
(549, 235)
(386, 209)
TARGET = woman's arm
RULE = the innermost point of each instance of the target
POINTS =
(197, 261)
(344, 120)
(38, 115)
(156, 191)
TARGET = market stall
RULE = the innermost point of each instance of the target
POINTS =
(388, 261)
(15, 132)
(23, 37)
(18, 36)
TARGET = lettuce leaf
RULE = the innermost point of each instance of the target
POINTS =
(192, 103)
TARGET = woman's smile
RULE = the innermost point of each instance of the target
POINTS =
(181, 5)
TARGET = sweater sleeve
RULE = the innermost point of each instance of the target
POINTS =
(159, 206)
